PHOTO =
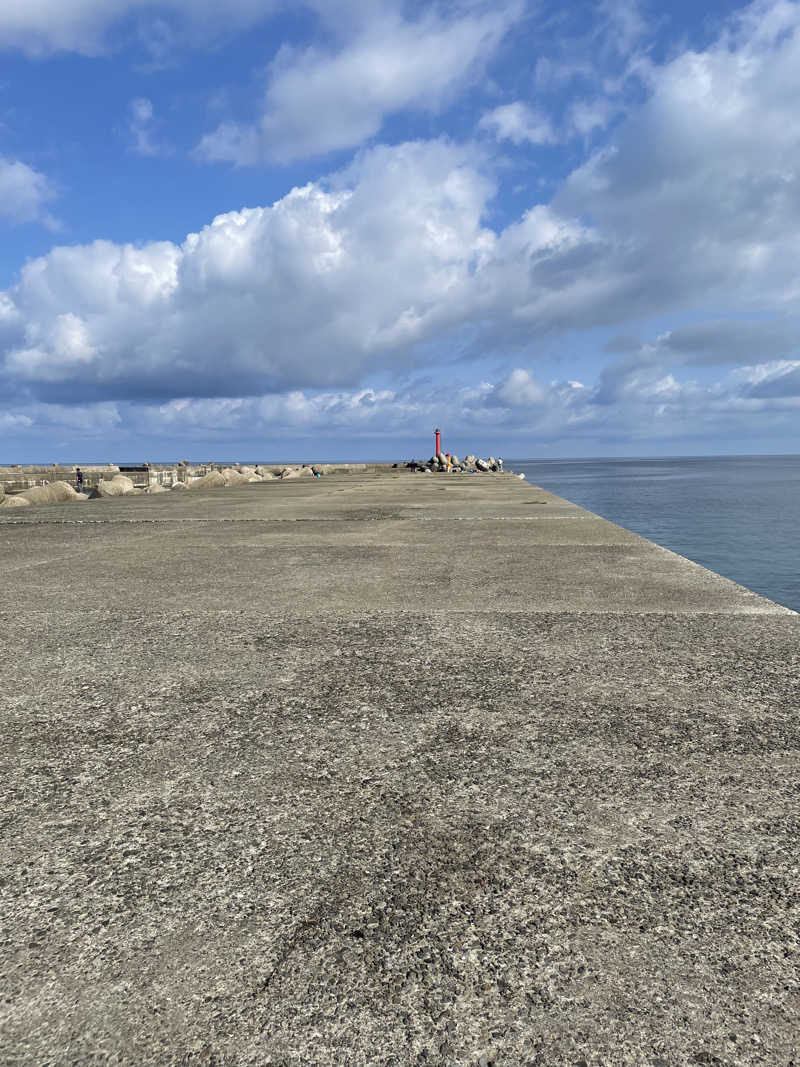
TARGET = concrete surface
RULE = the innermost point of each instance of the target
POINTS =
(390, 769)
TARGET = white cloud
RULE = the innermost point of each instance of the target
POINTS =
(644, 407)
(517, 122)
(596, 48)
(521, 389)
(692, 203)
(323, 286)
(319, 102)
(43, 26)
(775, 379)
(14, 423)
(588, 115)
(643, 404)
(40, 27)
(624, 24)
(718, 341)
(61, 348)
(374, 412)
(90, 420)
(694, 199)
(24, 194)
(141, 128)
(86, 420)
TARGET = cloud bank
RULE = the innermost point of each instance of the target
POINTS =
(644, 406)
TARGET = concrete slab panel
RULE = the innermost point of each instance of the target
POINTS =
(170, 572)
(353, 788)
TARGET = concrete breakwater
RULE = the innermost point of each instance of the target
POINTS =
(383, 768)
(23, 486)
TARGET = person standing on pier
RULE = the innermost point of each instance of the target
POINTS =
(79, 479)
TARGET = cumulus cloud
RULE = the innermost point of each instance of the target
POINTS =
(24, 194)
(517, 122)
(318, 101)
(690, 205)
(694, 198)
(326, 284)
(521, 389)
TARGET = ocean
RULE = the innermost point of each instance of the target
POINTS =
(736, 515)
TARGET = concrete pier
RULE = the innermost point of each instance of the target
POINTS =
(385, 768)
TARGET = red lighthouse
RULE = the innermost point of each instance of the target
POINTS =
(438, 447)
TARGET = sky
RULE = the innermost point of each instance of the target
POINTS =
(318, 230)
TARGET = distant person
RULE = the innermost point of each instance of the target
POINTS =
(79, 480)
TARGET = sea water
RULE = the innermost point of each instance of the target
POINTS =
(736, 515)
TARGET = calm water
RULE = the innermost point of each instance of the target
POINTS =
(736, 515)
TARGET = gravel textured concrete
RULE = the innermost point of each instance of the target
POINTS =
(390, 769)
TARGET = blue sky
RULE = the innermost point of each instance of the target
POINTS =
(317, 230)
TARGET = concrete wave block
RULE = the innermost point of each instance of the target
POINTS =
(212, 480)
(119, 485)
(54, 493)
(234, 477)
